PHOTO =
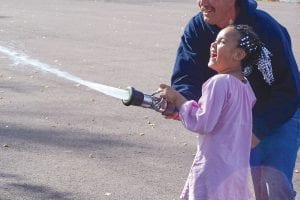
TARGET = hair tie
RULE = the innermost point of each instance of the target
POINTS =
(257, 54)
(265, 66)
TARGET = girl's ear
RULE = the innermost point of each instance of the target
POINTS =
(239, 54)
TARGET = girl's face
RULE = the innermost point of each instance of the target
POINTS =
(225, 55)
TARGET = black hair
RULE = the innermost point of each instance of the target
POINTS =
(250, 42)
(257, 55)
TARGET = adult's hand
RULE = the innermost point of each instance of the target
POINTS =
(174, 116)
(255, 141)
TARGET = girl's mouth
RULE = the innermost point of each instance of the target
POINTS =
(213, 54)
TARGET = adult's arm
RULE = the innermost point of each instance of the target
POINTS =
(190, 70)
(278, 102)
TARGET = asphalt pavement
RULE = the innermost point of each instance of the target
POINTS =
(61, 140)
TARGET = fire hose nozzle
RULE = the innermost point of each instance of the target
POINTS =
(158, 104)
(137, 98)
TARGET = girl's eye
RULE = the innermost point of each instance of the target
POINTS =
(220, 41)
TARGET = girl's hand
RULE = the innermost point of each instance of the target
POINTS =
(171, 95)
(168, 93)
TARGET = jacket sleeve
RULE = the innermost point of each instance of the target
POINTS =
(190, 70)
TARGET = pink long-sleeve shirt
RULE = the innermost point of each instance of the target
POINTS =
(223, 119)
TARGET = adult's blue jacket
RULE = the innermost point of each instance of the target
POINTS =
(276, 103)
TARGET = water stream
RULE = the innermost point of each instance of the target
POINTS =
(20, 58)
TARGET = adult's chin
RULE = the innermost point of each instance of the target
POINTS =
(209, 18)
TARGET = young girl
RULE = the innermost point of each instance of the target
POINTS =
(223, 115)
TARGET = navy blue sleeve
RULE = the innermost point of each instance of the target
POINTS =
(190, 70)
(278, 102)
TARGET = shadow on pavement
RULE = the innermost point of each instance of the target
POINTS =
(31, 191)
(71, 139)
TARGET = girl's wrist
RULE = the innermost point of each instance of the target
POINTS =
(179, 102)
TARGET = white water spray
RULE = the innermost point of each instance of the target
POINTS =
(23, 59)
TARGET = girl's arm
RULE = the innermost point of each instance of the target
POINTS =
(200, 117)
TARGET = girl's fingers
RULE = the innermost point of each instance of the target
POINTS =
(163, 86)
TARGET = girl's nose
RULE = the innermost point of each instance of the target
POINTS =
(212, 45)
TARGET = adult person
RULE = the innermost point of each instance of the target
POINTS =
(275, 115)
